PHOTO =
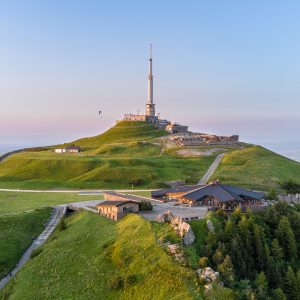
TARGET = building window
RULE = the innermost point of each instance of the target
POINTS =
(127, 209)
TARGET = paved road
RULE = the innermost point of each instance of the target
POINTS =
(57, 214)
(211, 169)
(81, 192)
(158, 209)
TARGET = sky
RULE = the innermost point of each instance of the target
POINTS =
(223, 67)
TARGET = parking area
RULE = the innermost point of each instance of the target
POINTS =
(187, 213)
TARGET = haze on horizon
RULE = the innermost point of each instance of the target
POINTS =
(225, 67)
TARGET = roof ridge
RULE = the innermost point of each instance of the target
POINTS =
(223, 187)
(199, 188)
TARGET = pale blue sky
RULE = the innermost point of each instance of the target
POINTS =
(226, 67)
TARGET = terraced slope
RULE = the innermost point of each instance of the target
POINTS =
(112, 261)
(256, 167)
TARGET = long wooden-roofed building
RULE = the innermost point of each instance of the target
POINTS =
(215, 195)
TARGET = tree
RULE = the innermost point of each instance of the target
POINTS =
(229, 230)
(278, 294)
(218, 257)
(276, 250)
(145, 205)
(211, 242)
(261, 285)
(203, 262)
(274, 271)
(237, 214)
(259, 251)
(291, 285)
(237, 252)
(272, 195)
(286, 238)
(227, 271)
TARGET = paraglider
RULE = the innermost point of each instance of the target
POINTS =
(100, 113)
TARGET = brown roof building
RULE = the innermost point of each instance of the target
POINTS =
(116, 210)
(215, 195)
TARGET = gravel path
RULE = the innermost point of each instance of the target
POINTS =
(211, 169)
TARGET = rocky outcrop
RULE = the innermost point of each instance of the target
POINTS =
(182, 229)
(209, 277)
(210, 226)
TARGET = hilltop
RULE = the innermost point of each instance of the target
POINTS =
(136, 154)
(122, 132)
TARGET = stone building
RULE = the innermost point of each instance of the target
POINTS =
(117, 209)
(176, 128)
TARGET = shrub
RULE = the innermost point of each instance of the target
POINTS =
(157, 184)
(131, 279)
(203, 262)
(145, 206)
(272, 195)
(116, 282)
(36, 252)
(62, 225)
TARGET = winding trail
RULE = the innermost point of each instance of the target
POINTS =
(57, 215)
(211, 169)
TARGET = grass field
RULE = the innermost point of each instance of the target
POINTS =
(256, 167)
(49, 170)
(112, 261)
(16, 232)
(15, 202)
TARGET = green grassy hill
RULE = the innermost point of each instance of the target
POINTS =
(125, 155)
(16, 232)
(112, 261)
(256, 167)
(124, 131)
(133, 153)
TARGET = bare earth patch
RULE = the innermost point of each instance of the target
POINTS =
(198, 152)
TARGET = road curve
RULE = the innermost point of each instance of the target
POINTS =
(57, 215)
(211, 169)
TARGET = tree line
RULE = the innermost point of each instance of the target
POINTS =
(257, 254)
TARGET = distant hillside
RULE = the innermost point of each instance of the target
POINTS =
(257, 167)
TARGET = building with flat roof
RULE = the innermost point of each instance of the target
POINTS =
(68, 149)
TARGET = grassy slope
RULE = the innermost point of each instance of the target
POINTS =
(17, 231)
(257, 167)
(14, 202)
(80, 263)
(124, 131)
(103, 165)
